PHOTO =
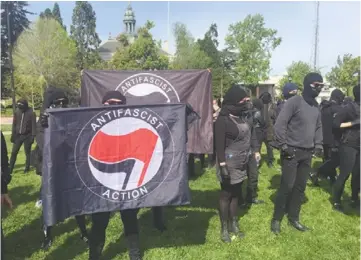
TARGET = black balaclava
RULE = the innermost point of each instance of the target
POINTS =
(311, 92)
(231, 103)
(22, 104)
(287, 89)
(114, 95)
(258, 104)
(266, 98)
(337, 96)
(356, 93)
(55, 98)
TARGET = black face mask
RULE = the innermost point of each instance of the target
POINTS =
(239, 108)
(61, 103)
(113, 103)
(316, 88)
(21, 106)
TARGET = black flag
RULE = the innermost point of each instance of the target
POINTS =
(158, 87)
(114, 157)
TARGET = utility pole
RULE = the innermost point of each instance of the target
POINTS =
(10, 57)
(316, 36)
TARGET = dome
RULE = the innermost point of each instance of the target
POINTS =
(129, 14)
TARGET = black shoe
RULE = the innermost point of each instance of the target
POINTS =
(297, 225)
(224, 232)
(314, 179)
(46, 243)
(256, 201)
(134, 247)
(276, 226)
(338, 207)
(234, 228)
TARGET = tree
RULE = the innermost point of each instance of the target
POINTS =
(342, 75)
(16, 12)
(83, 31)
(296, 72)
(189, 54)
(253, 43)
(46, 53)
(142, 54)
(46, 14)
(55, 14)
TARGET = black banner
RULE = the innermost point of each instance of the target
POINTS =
(112, 158)
(158, 87)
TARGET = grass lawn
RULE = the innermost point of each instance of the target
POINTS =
(193, 231)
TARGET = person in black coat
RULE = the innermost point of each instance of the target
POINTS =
(331, 137)
(289, 90)
(236, 149)
(129, 216)
(23, 132)
(348, 119)
(53, 98)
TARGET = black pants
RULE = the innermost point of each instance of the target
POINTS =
(349, 163)
(252, 184)
(98, 230)
(293, 184)
(331, 162)
(261, 137)
(228, 201)
(19, 141)
(2, 243)
(80, 221)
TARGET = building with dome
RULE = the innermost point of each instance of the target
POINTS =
(110, 46)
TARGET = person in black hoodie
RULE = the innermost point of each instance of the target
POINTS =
(298, 133)
(268, 115)
(289, 90)
(236, 148)
(53, 98)
(348, 118)
(23, 132)
(331, 137)
(129, 216)
(5, 180)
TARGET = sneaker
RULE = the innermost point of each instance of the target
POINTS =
(39, 204)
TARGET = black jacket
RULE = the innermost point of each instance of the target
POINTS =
(5, 176)
(331, 135)
(24, 122)
(349, 113)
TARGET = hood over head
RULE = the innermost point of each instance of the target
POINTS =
(337, 96)
(266, 98)
(22, 104)
(114, 95)
(356, 93)
(289, 87)
(312, 86)
(231, 101)
(258, 104)
(52, 94)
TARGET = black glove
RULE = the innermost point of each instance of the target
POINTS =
(12, 139)
(288, 152)
(44, 120)
(318, 152)
(226, 178)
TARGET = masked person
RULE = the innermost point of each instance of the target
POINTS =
(298, 133)
(23, 132)
(129, 216)
(53, 98)
(289, 90)
(349, 151)
(269, 115)
(331, 137)
(235, 141)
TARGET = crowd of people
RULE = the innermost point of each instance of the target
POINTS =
(297, 126)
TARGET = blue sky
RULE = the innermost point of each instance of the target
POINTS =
(339, 30)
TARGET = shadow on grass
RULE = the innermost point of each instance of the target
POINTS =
(179, 222)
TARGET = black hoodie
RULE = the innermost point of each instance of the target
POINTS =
(24, 120)
(331, 136)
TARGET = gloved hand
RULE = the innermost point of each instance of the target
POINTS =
(288, 152)
(318, 152)
(12, 139)
(44, 120)
(226, 177)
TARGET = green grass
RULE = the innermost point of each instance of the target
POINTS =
(5, 128)
(193, 231)
(8, 112)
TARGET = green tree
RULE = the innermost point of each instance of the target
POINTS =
(46, 53)
(18, 21)
(46, 14)
(296, 72)
(342, 75)
(189, 54)
(83, 31)
(57, 15)
(253, 43)
(142, 54)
